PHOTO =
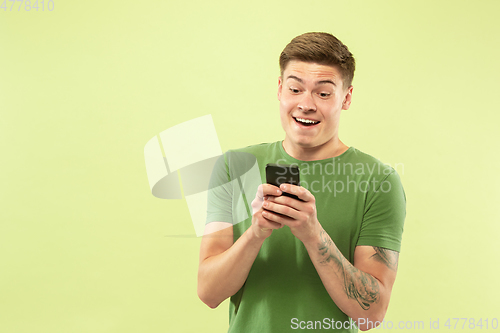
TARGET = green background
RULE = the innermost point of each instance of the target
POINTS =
(85, 247)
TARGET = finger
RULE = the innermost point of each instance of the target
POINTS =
(277, 219)
(272, 225)
(263, 191)
(280, 210)
(267, 223)
(268, 189)
(260, 193)
(257, 202)
(301, 192)
(287, 201)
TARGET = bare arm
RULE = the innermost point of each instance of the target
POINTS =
(362, 291)
(224, 264)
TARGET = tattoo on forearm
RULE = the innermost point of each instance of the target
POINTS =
(358, 285)
(386, 257)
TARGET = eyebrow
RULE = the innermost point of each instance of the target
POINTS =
(317, 83)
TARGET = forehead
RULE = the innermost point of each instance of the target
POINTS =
(312, 72)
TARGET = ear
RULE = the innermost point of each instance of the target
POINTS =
(347, 99)
(280, 88)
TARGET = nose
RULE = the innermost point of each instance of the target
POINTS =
(307, 103)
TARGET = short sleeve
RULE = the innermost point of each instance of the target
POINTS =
(219, 196)
(384, 214)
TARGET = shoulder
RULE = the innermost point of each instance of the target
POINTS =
(363, 163)
(359, 156)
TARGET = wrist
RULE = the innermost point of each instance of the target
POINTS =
(256, 235)
(314, 238)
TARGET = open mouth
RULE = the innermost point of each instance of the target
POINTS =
(306, 122)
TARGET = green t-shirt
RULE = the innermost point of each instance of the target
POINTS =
(359, 201)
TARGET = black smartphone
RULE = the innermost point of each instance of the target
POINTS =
(277, 174)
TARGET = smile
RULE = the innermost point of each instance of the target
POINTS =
(306, 122)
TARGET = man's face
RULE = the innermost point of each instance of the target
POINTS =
(311, 98)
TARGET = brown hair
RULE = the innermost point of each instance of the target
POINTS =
(321, 48)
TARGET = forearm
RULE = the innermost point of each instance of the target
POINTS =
(222, 275)
(357, 293)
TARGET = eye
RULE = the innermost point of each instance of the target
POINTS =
(324, 94)
(294, 90)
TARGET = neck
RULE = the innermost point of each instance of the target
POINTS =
(329, 149)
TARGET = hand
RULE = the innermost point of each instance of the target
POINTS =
(300, 216)
(261, 226)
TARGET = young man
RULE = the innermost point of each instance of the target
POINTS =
(311, 263)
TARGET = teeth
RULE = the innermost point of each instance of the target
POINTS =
(307, 121)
